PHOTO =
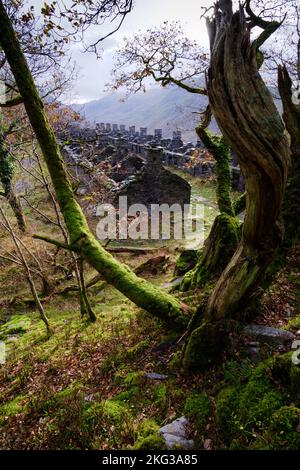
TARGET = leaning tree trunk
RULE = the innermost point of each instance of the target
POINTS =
(250, 123)
(6, 178)
(142, 293)
(16, 207)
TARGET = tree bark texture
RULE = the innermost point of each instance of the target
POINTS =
(6, 178)
(291, 202)
(250, 123)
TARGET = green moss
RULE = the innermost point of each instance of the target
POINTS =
(161, 397)
(197, 408)
(258, 399)
(137, 349)
(147, 428)
(12, 408)
(132, 395)
(92, 416)
(218, 249)
(288, 374)
(133, 381)
(152, 442)
(227, 411)
(204, 346)
(282, 432)
(19, 324)
(106, 413)
(221, 153)
(258, 413)
(134, 378)
(259, 409)
(293, 324)
(241, 408)
(240, 204)
(113, 411)
(236, 372)
(185, 262)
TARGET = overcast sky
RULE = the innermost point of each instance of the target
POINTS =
(94, 73)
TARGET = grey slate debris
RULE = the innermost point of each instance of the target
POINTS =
(175, 434)
(155, 376)
(270, 335)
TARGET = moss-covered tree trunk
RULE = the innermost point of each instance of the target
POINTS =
(85, 305)
(291, 201)
(6, 179)
(224, 235)
(142, 293)
(251, 125)
(16, 207)
(218, 148)
(218, 248)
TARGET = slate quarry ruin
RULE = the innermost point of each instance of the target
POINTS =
(125, 146)
(153, 184)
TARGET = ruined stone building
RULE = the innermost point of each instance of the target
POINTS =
(153, 184)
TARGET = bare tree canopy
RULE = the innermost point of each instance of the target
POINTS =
(70, 20)
(163, 54)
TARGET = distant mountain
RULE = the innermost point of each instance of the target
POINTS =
(166, 108)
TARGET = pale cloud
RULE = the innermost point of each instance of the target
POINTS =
(95, 73)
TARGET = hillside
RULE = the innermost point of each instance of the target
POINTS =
(113, 384)
(166, 108)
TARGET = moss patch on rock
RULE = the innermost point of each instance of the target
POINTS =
(198, 408)
(19, 324)
(152, 442)
(263, 413)
(204, 346)
(186, 261)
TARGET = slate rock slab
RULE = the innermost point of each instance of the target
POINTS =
(17, 325)
(253, 353)
(172, 441)
(155, 376)
(270, 335)
(175, 434)
(176, 282)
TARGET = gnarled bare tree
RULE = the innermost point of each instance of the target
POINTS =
(248, 118)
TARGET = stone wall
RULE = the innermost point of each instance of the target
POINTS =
(175, 152)
(154, 184)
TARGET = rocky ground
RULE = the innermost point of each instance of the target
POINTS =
(117, 384)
